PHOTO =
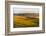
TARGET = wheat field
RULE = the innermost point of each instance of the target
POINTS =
(22, 21)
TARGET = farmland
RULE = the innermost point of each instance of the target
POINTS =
(25, 21)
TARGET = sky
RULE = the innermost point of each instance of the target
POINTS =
(25, 9)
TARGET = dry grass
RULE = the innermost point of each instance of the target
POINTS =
(21, 21)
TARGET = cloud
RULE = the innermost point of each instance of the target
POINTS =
(26, 10)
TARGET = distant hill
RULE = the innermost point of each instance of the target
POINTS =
(36, 15)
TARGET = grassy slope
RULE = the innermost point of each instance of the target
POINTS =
(21, 21)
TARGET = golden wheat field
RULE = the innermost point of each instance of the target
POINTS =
(21, 21)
